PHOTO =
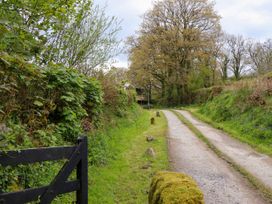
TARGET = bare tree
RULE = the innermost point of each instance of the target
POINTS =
(238, 53)
(223, 63)
(222, 56)
(268, 55)
(260, 55)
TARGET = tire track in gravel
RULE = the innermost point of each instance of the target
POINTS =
(259, 165)
(219, 182)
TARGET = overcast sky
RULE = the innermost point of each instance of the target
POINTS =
(252, 18)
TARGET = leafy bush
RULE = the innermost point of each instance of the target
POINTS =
(48, 101)
(73, 97)
(116, 97)
(42, 107)
(52, 106)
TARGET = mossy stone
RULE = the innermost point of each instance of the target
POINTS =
(174, 188)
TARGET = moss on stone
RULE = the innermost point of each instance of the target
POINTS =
(174, 188)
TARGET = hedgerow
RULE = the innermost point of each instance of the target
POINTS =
(48, 106)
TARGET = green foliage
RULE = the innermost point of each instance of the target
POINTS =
(122, 102)
(226, 105)
(42, 107)
(117, 98)
(55, 99)
(13, 136)
(27, 25)
(73, 97)
(200, 96)
(243, 117)
(122, 179)
(53, 106)
(18, 87)
(18, 41)
(26, 176)
(200, 78)
(85, 43)
(100, 150)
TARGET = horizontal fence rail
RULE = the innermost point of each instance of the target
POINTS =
(14, 158)
(77, 158)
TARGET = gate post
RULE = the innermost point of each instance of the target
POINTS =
(82, 172)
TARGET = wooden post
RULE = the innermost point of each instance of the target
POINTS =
(82, 172)
(152, 121)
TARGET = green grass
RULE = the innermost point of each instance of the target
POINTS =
(265, 191)
(237, 130)
(243, 113)
(122, 179)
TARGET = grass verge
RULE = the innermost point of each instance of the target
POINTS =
(243, 112)
(123, 179)
(230, 128)
(265, 191)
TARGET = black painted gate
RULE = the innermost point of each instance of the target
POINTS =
(77, 158)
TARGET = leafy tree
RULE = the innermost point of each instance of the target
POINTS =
(176, 38)
(27, 25)
(86, 43)
(75, 33)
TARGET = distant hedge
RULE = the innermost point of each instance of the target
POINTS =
(205, 94)
(174, 188)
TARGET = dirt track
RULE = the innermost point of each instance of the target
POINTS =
(257, 164)
(219, 182)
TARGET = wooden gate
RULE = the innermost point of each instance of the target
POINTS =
(77, 158)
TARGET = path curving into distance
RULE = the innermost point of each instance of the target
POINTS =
(259, 165)
(218, 181)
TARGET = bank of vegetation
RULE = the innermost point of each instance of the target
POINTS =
(53, 85)
(242, 109)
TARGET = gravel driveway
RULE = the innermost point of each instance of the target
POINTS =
(219, 182)
(257, 164)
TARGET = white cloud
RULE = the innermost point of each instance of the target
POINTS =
(132, 7)
(120, 63)
(130, 12)
(248, 17)
(252, 18)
